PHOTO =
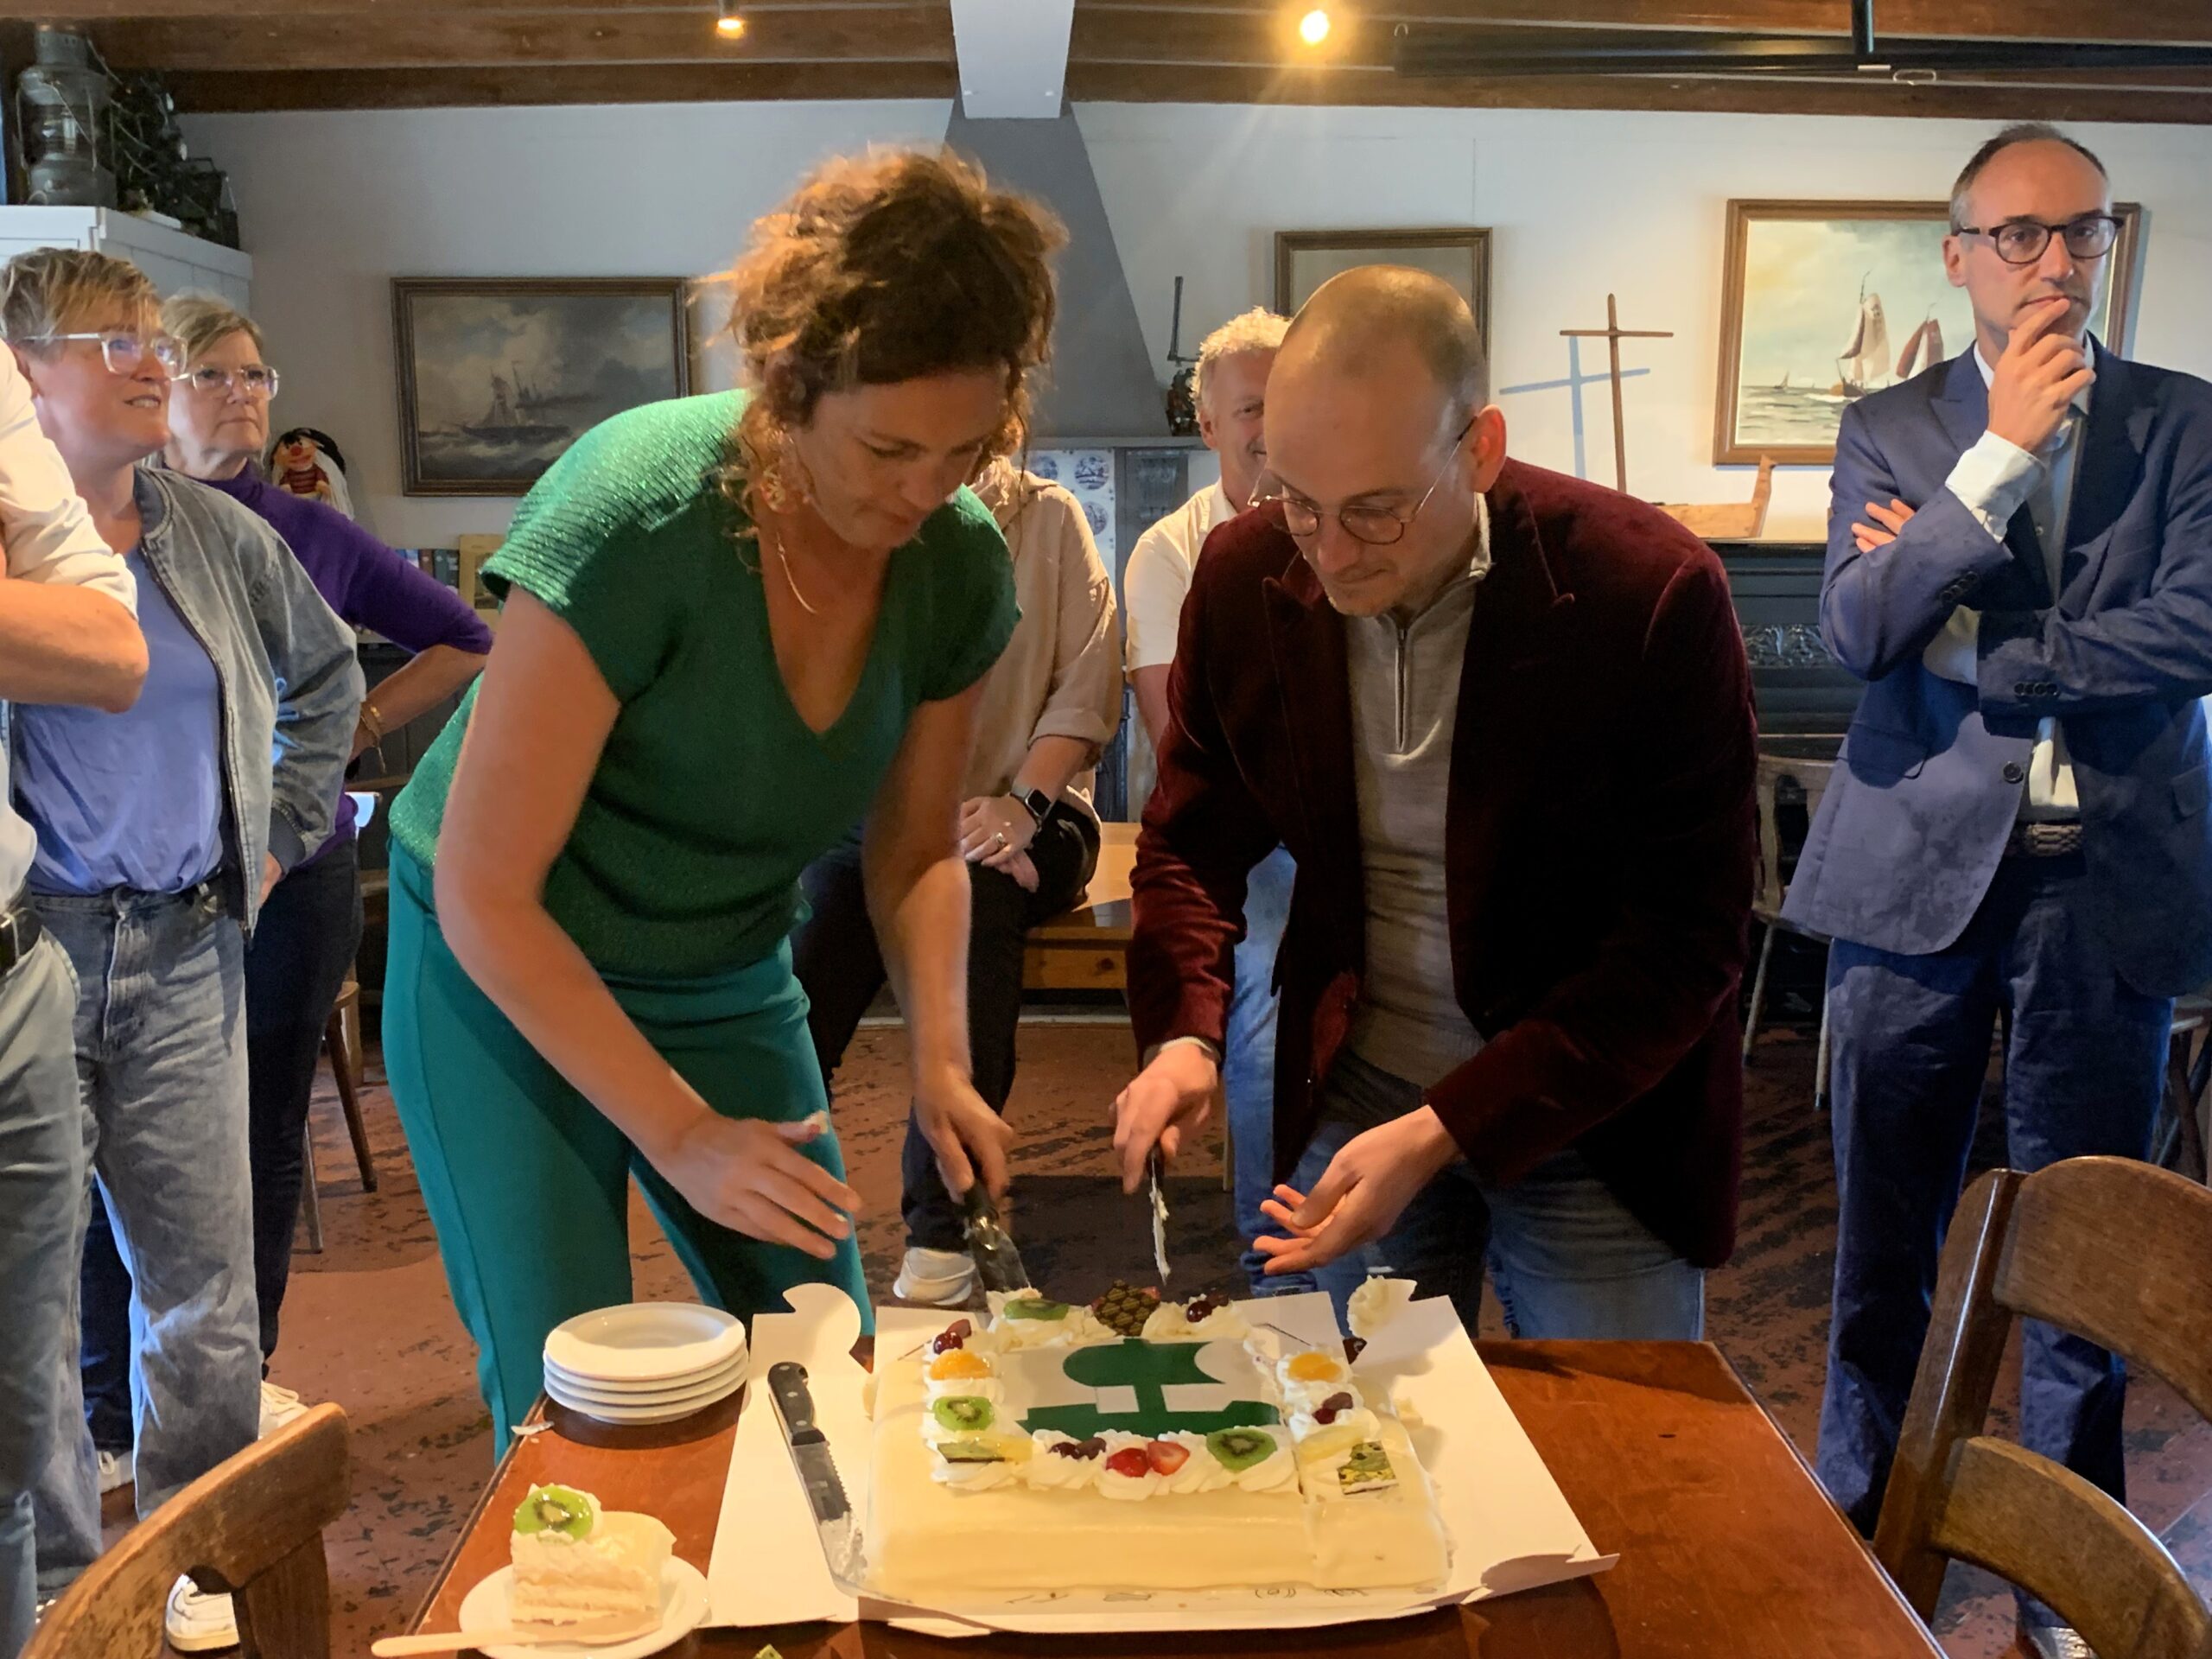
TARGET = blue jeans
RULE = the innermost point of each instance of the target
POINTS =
(1248, 1063)
(161, 1056)
(1566, 1257)
(41, 1180)
(302, 944)
(1910, 1037)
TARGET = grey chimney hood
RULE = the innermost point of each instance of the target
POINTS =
(1101, 382)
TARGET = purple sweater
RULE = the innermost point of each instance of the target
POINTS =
(365, 582)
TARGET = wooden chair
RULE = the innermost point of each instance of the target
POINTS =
(341, 1041)
(2178, 1141)
(2111, 1249)
(253, 1526)
(1785, 780)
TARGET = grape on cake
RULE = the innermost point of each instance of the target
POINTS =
(1138, 1443)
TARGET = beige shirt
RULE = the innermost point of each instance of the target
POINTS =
(1060, 675)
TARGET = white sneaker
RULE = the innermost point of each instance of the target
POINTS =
(278, 1407)
(940, 1277)
(116, 1471)
(197, 1622)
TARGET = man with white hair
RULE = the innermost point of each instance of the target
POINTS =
(1230, 388)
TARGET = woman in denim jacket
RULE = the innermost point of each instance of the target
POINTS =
(160, 832)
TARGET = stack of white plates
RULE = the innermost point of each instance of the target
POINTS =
(645, 1362)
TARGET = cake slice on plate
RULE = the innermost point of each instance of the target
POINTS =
(576, 1563)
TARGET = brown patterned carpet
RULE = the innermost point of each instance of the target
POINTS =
(369, 1324)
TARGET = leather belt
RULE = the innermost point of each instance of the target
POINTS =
(2052, 840)
(19, 929)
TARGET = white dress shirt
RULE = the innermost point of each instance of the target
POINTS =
(48, 536)
(1994, 480)
(1155, 583)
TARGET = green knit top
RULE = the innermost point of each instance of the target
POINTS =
(712, 794)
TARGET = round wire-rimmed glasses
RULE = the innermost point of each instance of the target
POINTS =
(1377, 526)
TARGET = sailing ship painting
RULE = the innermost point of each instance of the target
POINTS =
(498, 378)
(1827, 302)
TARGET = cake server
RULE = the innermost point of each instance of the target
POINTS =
(998, 1264)
(818, 1471)
(1158, 1219)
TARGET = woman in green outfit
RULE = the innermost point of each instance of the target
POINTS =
(734, 626)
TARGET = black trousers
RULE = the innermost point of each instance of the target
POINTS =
(838, 961)
(308, 936)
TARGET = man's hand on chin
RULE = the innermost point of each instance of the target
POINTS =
(1361, 1195)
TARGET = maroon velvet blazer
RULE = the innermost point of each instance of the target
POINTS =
(1599, 837)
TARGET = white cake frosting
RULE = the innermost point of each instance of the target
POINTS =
(611, 1571)
(1339, 1505)
(1375, 1304)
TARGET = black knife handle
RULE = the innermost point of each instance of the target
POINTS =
(794, 1404)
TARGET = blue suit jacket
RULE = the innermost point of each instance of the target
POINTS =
(1915, 820)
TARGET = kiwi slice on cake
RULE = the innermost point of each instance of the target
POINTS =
(976, 1451)
(556, 1509)
(1239, 1449)
(1034, 1307)
(963, 1414)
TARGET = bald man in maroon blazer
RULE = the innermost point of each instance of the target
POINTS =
(1503, 721)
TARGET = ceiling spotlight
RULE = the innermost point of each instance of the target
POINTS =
(730, 25)
(1313, 27)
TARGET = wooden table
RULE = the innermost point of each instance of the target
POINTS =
(1728, 1548)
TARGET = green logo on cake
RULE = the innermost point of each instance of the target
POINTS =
(1142, 1388)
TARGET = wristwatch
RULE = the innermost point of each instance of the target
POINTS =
(1038, 803)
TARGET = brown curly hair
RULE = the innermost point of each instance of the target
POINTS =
(880, 268)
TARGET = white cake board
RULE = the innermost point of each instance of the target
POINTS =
(1510, 1525)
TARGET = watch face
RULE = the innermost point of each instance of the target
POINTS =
(1040, 805)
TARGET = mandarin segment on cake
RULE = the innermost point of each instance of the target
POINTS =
(1057, 1447)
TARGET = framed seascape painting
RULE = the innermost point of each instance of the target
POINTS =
(1824, 302)
(1306, 259)
(499, 375)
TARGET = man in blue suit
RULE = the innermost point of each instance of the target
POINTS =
(2019, 566)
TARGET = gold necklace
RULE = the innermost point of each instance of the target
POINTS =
(784, 559)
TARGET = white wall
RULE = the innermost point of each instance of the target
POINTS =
(1580, 203)
(335, 205)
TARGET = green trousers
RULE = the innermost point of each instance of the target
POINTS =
(527, 1182)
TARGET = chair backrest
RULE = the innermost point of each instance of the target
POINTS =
(2111, 1249)
(1781, 779)
(253, 1526)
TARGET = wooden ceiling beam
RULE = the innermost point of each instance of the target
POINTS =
(210, 91)
(2180, 22)
(917, 31)
(2169, 22)
(75, 12)
(1108, 83)
(912, 33)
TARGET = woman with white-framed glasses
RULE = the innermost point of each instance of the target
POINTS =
(310, 927)
(161, 831)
